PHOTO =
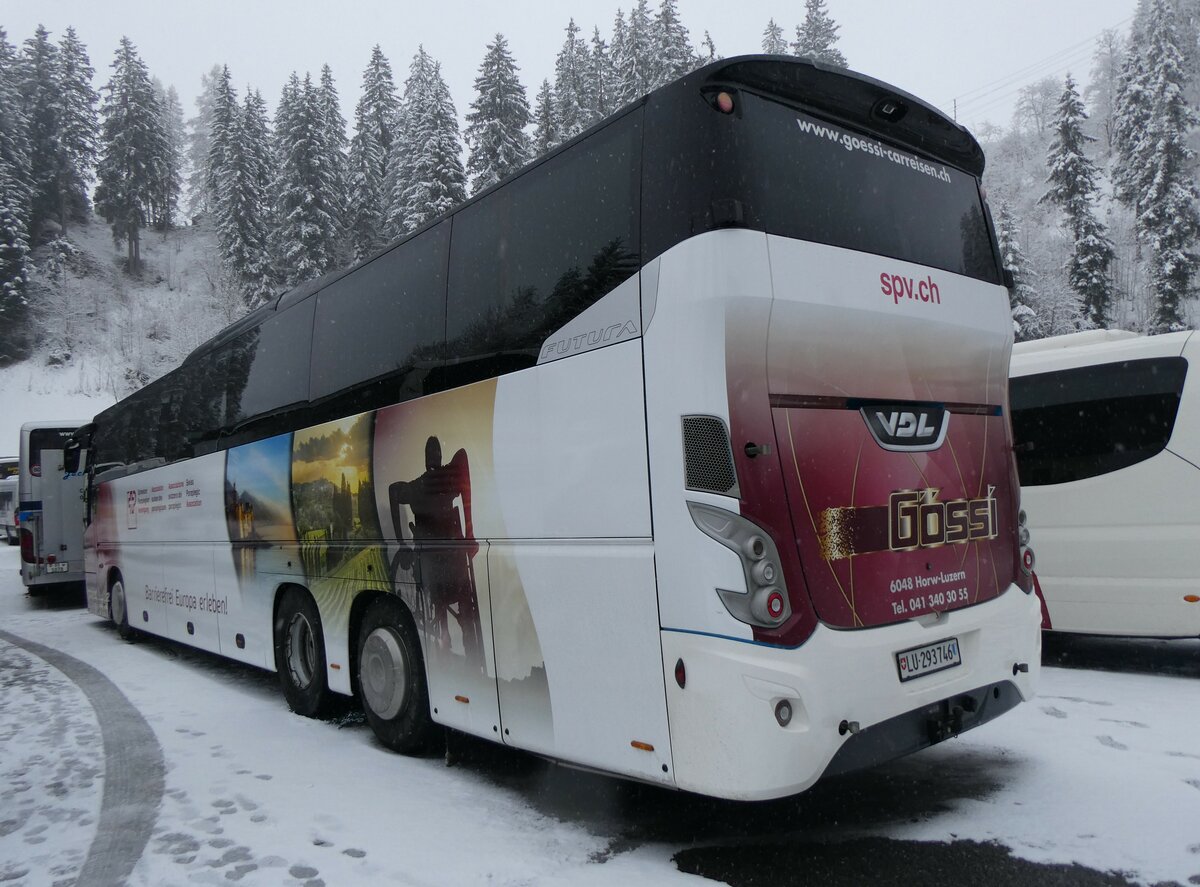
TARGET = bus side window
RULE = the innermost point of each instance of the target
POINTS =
(267, 373)
(539, 250)
(379, 325)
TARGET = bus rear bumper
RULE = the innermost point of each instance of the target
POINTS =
(848, 707)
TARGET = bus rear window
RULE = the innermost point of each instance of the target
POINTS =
(45, 439)
(771, 167)
(805, 178)
(1084, 422)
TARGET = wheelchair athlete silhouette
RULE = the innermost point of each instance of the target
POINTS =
(443, 548)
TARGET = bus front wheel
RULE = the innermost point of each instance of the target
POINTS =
(391, 678)
(118, 608)
(300, 655)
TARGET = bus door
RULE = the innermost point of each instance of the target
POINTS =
(188, 577)
(187, 513)
(445, 583)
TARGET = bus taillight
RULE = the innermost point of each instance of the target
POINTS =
(1027, 557)
(27, 554)
(764, 603)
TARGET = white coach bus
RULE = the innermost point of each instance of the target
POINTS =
(682, 454)
(9, 469)
(1107, 425)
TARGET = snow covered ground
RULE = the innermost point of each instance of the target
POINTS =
(1102, 770)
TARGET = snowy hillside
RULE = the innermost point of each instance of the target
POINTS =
(101, 333)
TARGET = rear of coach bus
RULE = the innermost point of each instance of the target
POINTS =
(842, 575)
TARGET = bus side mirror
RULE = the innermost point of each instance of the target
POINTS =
(1009, 280)
(71, 453)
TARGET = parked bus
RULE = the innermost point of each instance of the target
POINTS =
(1107, 425)
(681, 454)
(50, 508)
(8, 498)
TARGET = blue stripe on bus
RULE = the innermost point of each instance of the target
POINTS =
(32, 505)
(726, 637)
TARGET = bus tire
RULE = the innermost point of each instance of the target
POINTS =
(300, 655)
(391, 678)
(118, 608)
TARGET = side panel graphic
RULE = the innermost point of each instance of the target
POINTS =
(258, 517)
(437, 501)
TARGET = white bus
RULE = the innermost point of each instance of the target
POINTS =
(50, 507)
(682, 454)
(1107, 425)
(8, 498)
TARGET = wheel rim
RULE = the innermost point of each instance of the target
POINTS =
(117, 602)
(301, 651)
(382, 673)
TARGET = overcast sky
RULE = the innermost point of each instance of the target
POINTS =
(940, 50)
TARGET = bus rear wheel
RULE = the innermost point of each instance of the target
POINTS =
(118, 608)
(300, 655)
(391, 678)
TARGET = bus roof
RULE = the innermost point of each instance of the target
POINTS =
(52, 423)
(1073, 340)
(852, 98)
(1092, 348)
(837, 93)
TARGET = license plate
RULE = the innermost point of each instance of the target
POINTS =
(57, 568)
(927, 659)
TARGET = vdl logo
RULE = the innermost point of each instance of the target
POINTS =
(907, 427)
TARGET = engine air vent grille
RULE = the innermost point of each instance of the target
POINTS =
(708, 457)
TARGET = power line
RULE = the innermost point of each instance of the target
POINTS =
(999, 100)
(1002, 88)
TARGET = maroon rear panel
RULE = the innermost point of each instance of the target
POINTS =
(888, 535)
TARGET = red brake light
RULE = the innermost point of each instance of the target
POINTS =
(27, 546)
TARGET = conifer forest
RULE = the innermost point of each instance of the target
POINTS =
(1092, 184)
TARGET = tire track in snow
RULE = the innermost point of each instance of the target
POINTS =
(134, 772)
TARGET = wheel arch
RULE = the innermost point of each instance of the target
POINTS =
(358, 608)
(280, 590)
(111, 575)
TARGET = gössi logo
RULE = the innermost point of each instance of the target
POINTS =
(907, 427)
(918, 519)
